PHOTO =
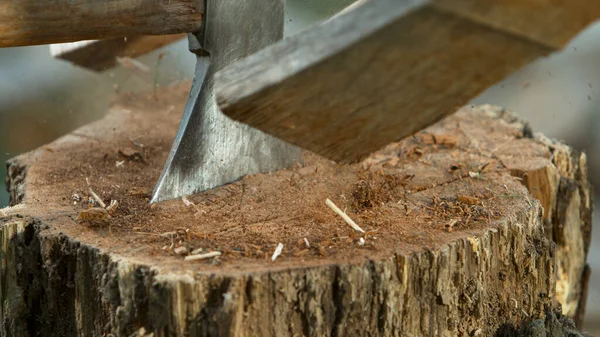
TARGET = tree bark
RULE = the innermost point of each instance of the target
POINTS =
(490, 228)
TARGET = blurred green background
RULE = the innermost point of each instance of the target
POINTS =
(43, 98)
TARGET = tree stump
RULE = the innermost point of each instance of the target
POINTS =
(472, 225)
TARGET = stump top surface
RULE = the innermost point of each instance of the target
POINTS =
(448, 182)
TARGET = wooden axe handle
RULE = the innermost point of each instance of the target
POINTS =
(32, 22)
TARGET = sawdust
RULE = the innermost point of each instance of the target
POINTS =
(377, 188)
(406, 197)
(247, 219)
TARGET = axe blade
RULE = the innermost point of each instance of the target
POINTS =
(211, 149)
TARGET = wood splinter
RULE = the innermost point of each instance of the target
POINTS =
(93, 194)
(277, 251)
(201, 256)
(344, 216)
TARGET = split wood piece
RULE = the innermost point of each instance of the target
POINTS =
(32, 22)
(552, 23)
(454, 244)
(99, 55)
(387, 69)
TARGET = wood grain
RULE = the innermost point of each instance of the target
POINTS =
(378, 73)
(32, 22)
(99, 55)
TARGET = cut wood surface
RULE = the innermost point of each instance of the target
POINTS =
(31, 22)
(389, 68)
(99, 55)
(456, 242)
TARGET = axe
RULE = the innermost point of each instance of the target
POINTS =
(376, 73)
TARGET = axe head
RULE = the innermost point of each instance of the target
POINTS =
(211, 149)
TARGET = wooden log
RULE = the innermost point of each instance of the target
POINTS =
(31, 22)
(99, 55)
(456, 242)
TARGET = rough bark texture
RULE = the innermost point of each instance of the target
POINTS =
(56, 286)
(59, 280)
(562, 187)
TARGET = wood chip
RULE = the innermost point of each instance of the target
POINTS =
(180, 250)
(187, 202)
(134, 142)
(344, 216)
(132, 154)
(437, 139)
(301, 252)
(96, 215)
(196, 251)
(450, 225)
(468, 200)
(277, 251)
(94, 195)
(201, 256)
(322, 251)
(169, 234)
(139, 191)
(112, 208)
